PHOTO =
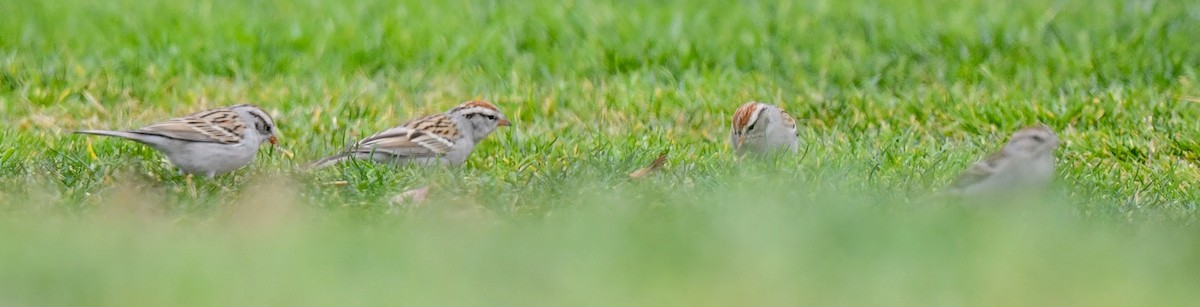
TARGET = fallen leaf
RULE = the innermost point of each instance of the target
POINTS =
(412, 196)
(654, 166)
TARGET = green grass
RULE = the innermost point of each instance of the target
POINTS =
(894, 98)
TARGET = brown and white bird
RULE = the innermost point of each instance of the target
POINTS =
(1023, 167)
(760, 128)
(445, 139)
(208, 143)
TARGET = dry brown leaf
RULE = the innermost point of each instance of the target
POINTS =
(654, 166)
(412, 196)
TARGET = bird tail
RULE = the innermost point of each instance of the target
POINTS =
(329, 161)
(107, 133)
(120, 134)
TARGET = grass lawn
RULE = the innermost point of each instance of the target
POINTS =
(893, 98)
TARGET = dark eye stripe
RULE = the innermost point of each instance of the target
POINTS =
(261, 122)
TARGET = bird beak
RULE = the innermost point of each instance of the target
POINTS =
(740, 141)
(273, 140)
(504, 122)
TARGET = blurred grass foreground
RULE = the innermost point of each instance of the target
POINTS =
(893, 97)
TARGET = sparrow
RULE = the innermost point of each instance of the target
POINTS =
(207, 143)
(1024, 166)
(760, 128)
(439, 139)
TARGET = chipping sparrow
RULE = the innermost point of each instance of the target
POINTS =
(761, 128)
(446, 138)
(210, 142)
(1024, 165)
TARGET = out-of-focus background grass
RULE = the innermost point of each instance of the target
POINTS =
(894, 98)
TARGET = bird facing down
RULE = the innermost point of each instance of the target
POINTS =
(1023, 167)
(446, 138)
(760, 128)
(208, 143)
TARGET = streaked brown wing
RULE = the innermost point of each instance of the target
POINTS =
(405, 141)
(978, 172)
(212, 126)
(788, 121)
(438, 124)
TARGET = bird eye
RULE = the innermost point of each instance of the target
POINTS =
(1039, 138)
(751, 126)
(490, 117)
